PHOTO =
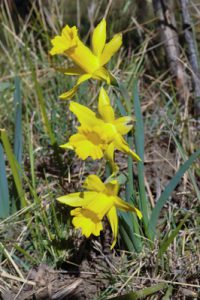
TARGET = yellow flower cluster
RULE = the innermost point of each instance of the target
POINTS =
(98, 135)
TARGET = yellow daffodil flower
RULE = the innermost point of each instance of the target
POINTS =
(99, 136)
(92, 205)
(89, 63)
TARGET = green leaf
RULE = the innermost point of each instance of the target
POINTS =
(14, 166)
(18, 122)
(169, 239)
(4, 193)
(168, 191)
(139, 143)
(142, 293)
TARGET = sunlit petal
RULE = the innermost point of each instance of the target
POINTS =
(104, 108)
(121, 204)
(69, 94)
(94, 183)
(77, 199)
(87, 221)
(110, 49)
(85, 115)
(102, 74)
(122, 146)
(67, 40)
(109, 155)
(123, 124)
(100, 205)
(99, 38)
(113, 220)
(85, 149)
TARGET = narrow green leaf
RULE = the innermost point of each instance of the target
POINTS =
(41, 101)
(168, 191)
(139, 143)
(4, 193)
(18, 122)
(130, 232)
(169, 239)
(14, 166)
(184, 157)
(142, 293)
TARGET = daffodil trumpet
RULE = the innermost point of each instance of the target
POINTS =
(100, 135)
(99, 200)
(89, 63)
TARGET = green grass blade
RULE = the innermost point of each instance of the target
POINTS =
(130, 197)
(130, 233)
(41, 101)
(18, 122)
(141, 294)
(169, 239)
(139, 143)
(14, 166)
(4, 193)
(184, 157)
(168, 191)
(129, 227)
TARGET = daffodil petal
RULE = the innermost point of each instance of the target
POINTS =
(68, 39)
(86, 220)
(69, 94)
(100, 205)
(102, 74)
(123, 124)
(85, 115)
(94, 183)
(77, 199)
(67, 146)
(99, 38)
(113, 220)
(109, 155)
(122, 146)
(121, 204)
(84, 58)
(104, 108)
(110, 49)
(112, 187)
(85, 149)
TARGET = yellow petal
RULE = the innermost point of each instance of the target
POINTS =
(67, 146)
(94, 183)
(121, 204)
(106, 131)
(71, 93)
(100, 205)
(77, 199)
(68, 39)
(109, 155)
(99, 38)
(83, 57)
(104, 108)
(122, 146)
(102, 74)
(123, 125)
(110, 49)
(85, 149)
(87, 221)
(86, 116)
(113, 220)
(112, 188)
